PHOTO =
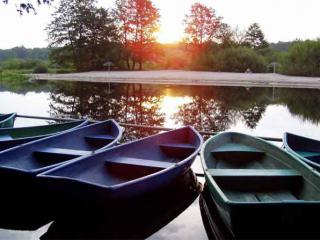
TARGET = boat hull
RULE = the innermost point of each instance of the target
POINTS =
(11, 137)
(38, 156)
(280, 220)
(124, 172)
(306, 149)
(265, 196)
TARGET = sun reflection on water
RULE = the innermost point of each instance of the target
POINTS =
(170, 105)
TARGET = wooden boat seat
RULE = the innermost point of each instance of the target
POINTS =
(236, 148)
(139, 162)
(177, 150)
(100, 137)
(62, 151)
(5, 137)
(99, 140)
(185, 146)
(254, 173)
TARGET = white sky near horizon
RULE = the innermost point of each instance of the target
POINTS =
(280, 20)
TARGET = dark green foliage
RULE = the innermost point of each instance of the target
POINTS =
(40, 68)
(281, 46)
(84, 34)
(24, 53)
(239, 60)
(303, 59)
(19, 64)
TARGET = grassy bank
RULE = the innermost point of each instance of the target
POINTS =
(13, 75)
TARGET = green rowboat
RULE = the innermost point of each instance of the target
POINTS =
(10, 137)
(7, 120)
(259, 189)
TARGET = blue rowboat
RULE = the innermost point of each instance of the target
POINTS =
(11, 137)
(306, 149)
(133, 219)
(128, 170)
(7, 120)
(40, 155)
(259, 189)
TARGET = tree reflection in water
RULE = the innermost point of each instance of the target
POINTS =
(126, 103)
(207, 108)
(216, 109)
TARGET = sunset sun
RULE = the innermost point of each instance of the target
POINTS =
(169, 32)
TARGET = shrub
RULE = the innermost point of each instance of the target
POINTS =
(40, 68)
(239, 60)
(303, 58)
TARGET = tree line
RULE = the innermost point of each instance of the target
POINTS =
(84, 37)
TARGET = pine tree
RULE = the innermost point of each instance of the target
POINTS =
(254, 37)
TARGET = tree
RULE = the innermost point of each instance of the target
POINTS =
(303, 59)
(225, 35)
(137, 21)
(201, 24)
(87, 33)
(254, 37)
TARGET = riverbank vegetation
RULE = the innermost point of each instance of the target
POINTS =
(124, 38)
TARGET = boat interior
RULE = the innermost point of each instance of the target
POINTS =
(60, 148)
(127, 162)
(247, 170)
(305, 147)
(4, 117)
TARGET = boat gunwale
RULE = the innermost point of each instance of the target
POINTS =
(10, 116)
(231, 203)
(291, 151)
(82, 122)
(46, 168)
(130, 182)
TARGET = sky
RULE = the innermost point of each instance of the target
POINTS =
(280, 20)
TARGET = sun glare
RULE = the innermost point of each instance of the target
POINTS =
(169, 34)
(171, 22)
(170, 105)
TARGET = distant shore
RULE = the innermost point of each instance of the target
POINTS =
(172, 77)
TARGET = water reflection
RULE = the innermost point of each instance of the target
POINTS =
(211, 109)
(206, 108)
(130, 103)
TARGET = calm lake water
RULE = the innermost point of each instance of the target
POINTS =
(257, 111)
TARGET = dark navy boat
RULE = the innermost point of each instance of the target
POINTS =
(127, 170)
(11, 137)
(40, 155)
(306, 149)
(7, 120)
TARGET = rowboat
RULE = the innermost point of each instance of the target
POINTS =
(10, 137)
(40, 155)
(259, 189)
(138, 219)
(128, 170)
(7, 120)
(307, 149)
(212, 222)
